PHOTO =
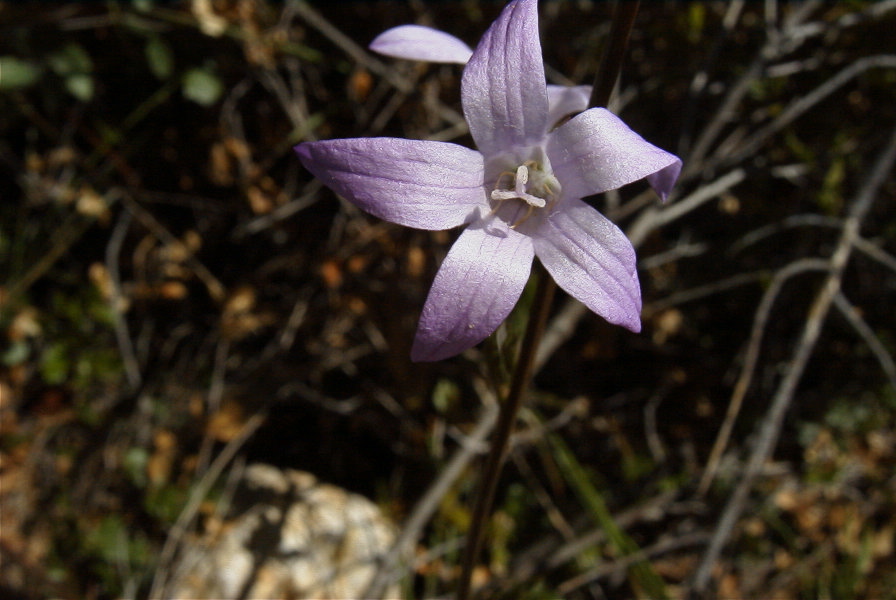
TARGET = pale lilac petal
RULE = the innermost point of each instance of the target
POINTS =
(421, 184)
(564, 100)
(664, 180)
(595, 152)
(416, 42)
(503, 88)
(592, 260)
(474, 291)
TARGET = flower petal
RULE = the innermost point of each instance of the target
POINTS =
(416, 42)
(422, 184)
(595, 152)
(475, 289)
(564, 100)
(592, 260)
(664, 180)
(503, 87)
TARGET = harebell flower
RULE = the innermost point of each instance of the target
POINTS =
(519, 194)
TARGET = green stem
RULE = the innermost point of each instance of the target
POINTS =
(488, 482)
(605, 80)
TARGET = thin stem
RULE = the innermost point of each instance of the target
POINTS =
(611, 61)
(485, 495)
(608, 72)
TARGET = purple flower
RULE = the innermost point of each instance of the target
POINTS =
(520, 194)
(416, 42)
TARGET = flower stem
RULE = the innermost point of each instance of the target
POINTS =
(605, 80)
(488, 482)
(611, 61)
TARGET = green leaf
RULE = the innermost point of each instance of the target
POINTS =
(80, 86)
(445, 394)
(55, 364)
(202, 86)
(159, 57)
(135, 461)
(830, 196)
(16, 73)
(113, 541)
(165, 503)
(70, 60)
(641, 572)
(108, 539)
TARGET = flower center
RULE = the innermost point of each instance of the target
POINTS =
(533, 182)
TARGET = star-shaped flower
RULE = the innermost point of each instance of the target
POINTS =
(520, 194)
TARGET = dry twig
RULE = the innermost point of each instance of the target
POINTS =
(770, 426)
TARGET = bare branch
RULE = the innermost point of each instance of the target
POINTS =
(118, 304)
(654, 218)
(867, 334)
(198, 492)
(760, 323)
(770, 426)
(803, 103)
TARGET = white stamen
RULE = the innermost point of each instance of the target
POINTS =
(522, 178)
(519, 190)
(503, 195)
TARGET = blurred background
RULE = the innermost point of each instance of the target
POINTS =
(192, 327)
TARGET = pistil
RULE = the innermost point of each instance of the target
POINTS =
(519, 190)
(532, 183)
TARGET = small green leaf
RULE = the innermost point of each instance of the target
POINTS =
(830, 196)
(135, 461)
(202, 86)
(16, 73)
(55, 364)
(108, 538)
(72, 59)
(159, 57)
(445, 394)
(165, 503)
(80, 86)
